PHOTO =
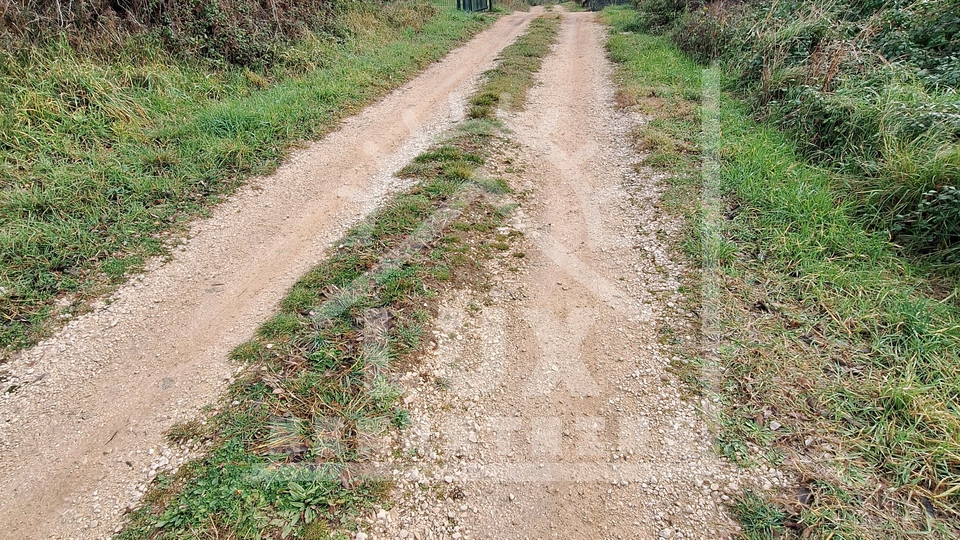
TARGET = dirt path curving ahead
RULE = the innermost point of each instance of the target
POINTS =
(84, 430)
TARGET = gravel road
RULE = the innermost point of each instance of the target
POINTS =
(544, 408)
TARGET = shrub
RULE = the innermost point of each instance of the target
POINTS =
(867, 89)
(701, 35)
(923, 34)
(240, 32)
(659, 16)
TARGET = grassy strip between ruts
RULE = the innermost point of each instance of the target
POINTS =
(100, 158)
(828, 355)
(506, 85)
(291, 452)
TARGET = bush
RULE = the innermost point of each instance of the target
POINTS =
(925, 35)
(867, 89)
(240, 32)
(701, 35)
(659, 16)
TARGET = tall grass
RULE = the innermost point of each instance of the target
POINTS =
(867, 90)
(101, 158)
(248, 33)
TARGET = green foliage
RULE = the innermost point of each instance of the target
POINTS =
(701, 35)
(925, 34)
(238, 32)
(866, 89)
(657, 16)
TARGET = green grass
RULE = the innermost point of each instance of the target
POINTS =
(815, 323)
(505, 86)
(101, 159)
(288, 446)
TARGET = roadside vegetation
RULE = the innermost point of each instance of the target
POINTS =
(117, 128)
(831, 332)
(238, 32)
(292, 447)
(867, 90)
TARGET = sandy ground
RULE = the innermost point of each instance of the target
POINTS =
(546, 409)
(84, 430)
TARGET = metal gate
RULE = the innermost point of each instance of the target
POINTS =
(475, 5)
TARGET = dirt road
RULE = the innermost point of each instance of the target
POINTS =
(545, 410)
(85, 428)
(556, 416)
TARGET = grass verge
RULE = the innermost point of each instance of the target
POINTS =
(829, 356)
(867, 90)
(291, 452)
(101, 159)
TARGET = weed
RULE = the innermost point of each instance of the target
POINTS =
(760, 519)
